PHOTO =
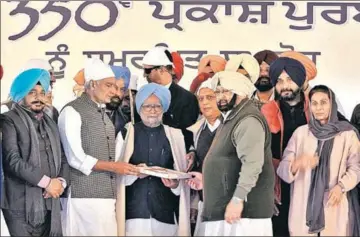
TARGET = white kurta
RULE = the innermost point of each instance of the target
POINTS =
(4, 230)
(83, 216)
(244, 227)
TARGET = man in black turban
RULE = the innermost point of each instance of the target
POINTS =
(286, 113)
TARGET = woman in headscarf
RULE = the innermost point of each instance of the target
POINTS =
(322, 164)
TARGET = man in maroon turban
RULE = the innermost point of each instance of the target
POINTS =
(264, 89)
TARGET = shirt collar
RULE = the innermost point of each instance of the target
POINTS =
(226, 114)
(212, 127)
(168, 85)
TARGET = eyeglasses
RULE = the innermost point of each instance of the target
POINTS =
(224, 92)
(207, 97)
(149, 70)
(149, 107)
(36, 94)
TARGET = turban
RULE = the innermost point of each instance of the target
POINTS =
(158, 56)
(267, 56)
(199, 79)
(247, 62)
(1, 72)
(95, 69)
(27, 80)
(80, 78)
(37, 63)
(122, 73)
(291, 66)
(159, 91)
(234, 81)
(178, 65)
(206, 84)
(215, 62)
(309, 65)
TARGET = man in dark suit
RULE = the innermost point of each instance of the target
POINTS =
(35, 168)
(184, 108)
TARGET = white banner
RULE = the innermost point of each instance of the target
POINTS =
(120, 32)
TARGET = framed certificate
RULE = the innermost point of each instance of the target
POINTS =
(164, 173)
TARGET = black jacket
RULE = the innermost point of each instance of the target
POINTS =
(18, 172)
(183, 112)
(355, 118)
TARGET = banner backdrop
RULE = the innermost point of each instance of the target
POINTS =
(120, 33)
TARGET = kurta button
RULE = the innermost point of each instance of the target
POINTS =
(108, 137)
(149, 193)
(150, 149)
(111, 177)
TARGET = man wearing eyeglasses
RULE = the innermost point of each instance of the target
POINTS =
(204, 131)
(184, 109)
(237, 177)
(153, 206)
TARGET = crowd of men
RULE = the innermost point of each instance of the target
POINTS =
(256, 150)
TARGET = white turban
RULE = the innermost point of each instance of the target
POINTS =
(248, 62)
(234, 81)
(157, 57)
(37, 63)
(95, 69)
(205, 84)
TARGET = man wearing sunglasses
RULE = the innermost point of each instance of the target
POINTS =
(184, 108)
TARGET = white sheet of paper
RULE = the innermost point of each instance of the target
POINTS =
(164, 173)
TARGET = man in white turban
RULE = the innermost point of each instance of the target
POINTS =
(88, 138)
(153, 206)
(237, 177)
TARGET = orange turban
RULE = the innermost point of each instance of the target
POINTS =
(178, 63)
(199, 79)
(80, 78)
(211, 64)
(1, 72)
(309, 65)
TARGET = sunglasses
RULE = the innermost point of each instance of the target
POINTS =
(149, 70)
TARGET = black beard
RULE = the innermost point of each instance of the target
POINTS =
(114, 104)
(37, 111)
(228, 106)
(287, 98)
(263, 86)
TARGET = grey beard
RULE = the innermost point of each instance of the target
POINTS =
(152, 125)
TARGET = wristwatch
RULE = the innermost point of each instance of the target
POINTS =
(237, 200)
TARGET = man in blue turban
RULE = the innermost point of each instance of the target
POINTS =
(35, 167)
(150, 143)
(113, 108)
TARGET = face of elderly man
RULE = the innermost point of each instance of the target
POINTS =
(151, 111)
(286, 88)
(225, 99)
(207, 102)
(104, 90)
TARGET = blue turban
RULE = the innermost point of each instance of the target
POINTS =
(122, 72)
(26, 81)
(294, 68)
(159, 91)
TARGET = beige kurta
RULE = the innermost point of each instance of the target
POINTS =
(344, 168)
(177, 144)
